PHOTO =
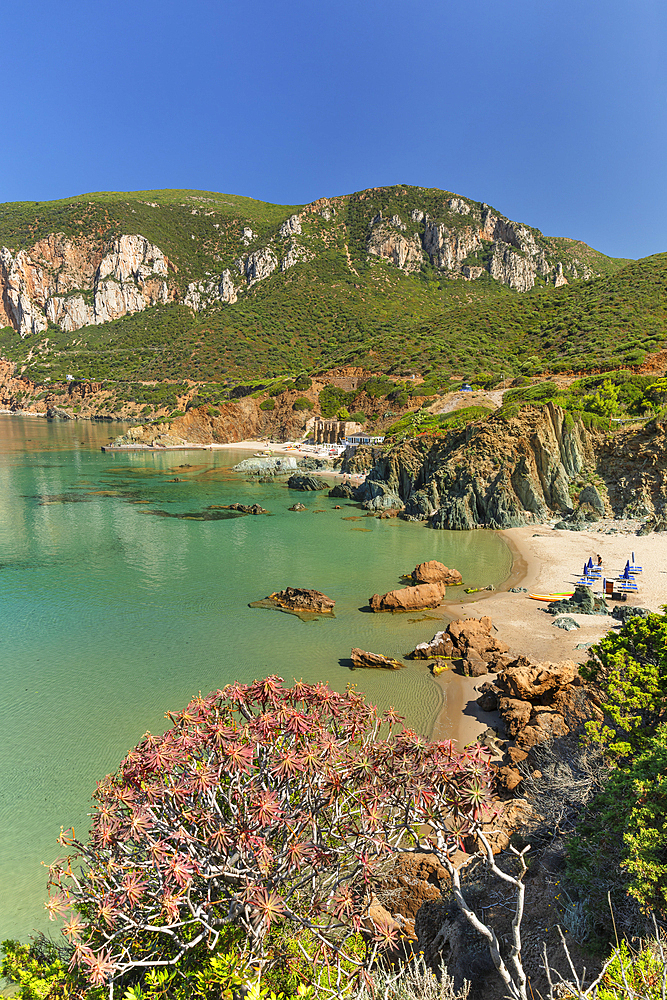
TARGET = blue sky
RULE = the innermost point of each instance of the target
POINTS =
(553, 112)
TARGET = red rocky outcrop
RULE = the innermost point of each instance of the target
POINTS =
(426, 595)
(436, 572)
(469, 643)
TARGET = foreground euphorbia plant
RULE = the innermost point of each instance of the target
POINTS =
(260, 804)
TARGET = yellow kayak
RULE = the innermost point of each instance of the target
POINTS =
(550, 597)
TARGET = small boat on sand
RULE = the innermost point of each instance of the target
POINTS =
(550, 597)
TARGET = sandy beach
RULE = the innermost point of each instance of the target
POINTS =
(549, 561)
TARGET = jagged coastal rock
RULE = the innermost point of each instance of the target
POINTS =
(507, 472)
(469, 644)
(375, 661)
(306, 483)
(537, 702)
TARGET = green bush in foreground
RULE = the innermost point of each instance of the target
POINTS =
(629, 669)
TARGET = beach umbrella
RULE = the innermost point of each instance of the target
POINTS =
(585, 573)
(633, 558)
(590, 563)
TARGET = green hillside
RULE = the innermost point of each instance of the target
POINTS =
(340, 304)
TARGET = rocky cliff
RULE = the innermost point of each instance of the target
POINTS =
(505, 473)
(80, 282)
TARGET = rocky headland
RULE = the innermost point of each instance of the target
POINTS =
(526, 469)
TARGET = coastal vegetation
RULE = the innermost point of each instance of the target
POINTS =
(238, 854)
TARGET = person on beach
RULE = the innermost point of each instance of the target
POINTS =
(599, 560)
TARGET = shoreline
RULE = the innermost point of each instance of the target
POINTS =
(546, 560)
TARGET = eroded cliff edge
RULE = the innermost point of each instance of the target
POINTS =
(504, 473)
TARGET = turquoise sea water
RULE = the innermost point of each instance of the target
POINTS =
(111, 614)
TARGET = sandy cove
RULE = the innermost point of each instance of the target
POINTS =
(548, 561)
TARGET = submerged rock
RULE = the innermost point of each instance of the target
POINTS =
(243, 508)
(298, 599)
(305, 604)
(361, 658)
(297, 506)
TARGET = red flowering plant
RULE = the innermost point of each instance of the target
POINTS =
(260, 804)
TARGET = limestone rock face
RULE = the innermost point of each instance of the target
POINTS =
(361, 658)
(290, 226)
(45, 283)
(260, 264)
(436, 572)
(386, 240)
(446, 247)
(426, 595)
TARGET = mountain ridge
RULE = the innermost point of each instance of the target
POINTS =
(158, 285)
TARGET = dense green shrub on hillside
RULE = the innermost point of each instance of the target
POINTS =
(302, 403)
(620, 844)
(604, 402)
(268, 404)
(332, 400)
(629, 670)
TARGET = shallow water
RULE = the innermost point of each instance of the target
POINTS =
(110, 615)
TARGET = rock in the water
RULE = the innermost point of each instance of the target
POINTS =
(362, 658)
(267, 466)
(306, 483)
(435, 572)
(297, 506)
(244, 508)
(441, 645)
(344, 491)
(298, 599)
(469, 642)
(57, 413)
(426, 595)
